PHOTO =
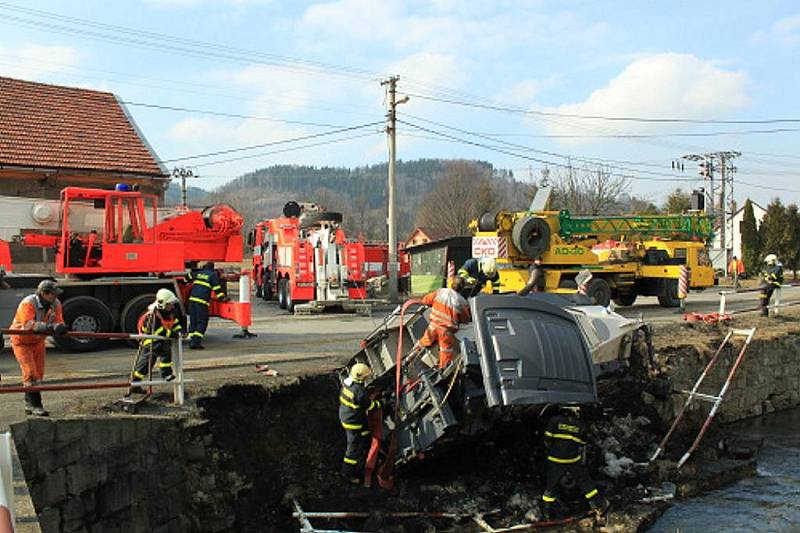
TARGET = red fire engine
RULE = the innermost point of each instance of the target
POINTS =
(303, 257)
(117, 250)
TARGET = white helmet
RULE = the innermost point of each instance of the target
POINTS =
(771, 259)
(165, 297)
(359, 372)
(488, 266)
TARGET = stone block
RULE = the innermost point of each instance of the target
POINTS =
(40, 431)
(194, 451)
(54, 458)
(50, 490)
(113, 496)
(50, 520)
(85, 474)
(70, 430)
(103, 435)
(72, 509)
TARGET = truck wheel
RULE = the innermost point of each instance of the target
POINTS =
(85, 313)
(289, 300)
(598, 290)
(625, 299)
(531, 236)
(668, 293)
(132, 312)
(282, 293)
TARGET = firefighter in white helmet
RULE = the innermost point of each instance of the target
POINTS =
(354, 404)
(165, 319)
(771, 279)
(476, 272)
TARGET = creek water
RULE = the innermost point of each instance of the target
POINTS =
(768, 502)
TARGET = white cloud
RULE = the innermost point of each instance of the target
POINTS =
(661, 85)
(525, 92)
(37, 62)
(438, 28)
(785, 31)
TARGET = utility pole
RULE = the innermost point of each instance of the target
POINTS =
(719, 200)
(391, 220)
(183, 173)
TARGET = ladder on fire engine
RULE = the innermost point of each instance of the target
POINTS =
(715, 400)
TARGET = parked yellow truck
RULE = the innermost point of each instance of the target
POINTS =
(628, 255)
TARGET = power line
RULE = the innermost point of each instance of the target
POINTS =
(228, 115)
(604, 117)
(272, 143)
(530, 158)
(555, 154)
(647, 136)
(186, 45)
(284, 150)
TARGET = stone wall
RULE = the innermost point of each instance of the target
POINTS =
(767, 380)
(124, 473)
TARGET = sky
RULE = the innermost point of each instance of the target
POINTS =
(228, 86)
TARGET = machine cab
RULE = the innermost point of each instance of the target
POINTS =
(112, 232)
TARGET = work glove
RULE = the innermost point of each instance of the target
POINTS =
(59, 329)
(41, 327)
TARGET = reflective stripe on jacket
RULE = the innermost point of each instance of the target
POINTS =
(33, 314)
(156, 324)
(773, 275)
(448, 308)
(565, 437)
(204, 282)
(354, 404)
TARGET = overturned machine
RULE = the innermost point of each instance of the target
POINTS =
(518, 353)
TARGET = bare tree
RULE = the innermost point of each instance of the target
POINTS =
(588, 191)
(462, 193)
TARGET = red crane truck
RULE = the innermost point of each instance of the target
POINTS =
(116, 251)
(304, 257)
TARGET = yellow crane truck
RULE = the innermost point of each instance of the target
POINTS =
(627, 255)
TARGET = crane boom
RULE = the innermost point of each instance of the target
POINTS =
(691, 227)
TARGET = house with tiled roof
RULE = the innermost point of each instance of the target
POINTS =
(420, 236)
(53, 136)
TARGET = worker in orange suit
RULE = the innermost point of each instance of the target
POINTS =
(41, 313)
(448, 310)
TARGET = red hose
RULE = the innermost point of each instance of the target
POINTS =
(386, 472)
(66, 386)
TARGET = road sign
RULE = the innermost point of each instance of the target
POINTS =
(489, 247)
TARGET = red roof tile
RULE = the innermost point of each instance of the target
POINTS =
(69, 128)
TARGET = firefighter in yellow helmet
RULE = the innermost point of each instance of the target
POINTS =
(476, 272)
(354, 404)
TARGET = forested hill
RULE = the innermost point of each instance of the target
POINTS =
(359, 193)
(367, 184)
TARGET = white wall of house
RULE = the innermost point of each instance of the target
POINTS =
(733, 238)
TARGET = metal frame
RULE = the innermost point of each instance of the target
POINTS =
(716, 400)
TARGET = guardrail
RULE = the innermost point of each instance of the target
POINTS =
(178, 383)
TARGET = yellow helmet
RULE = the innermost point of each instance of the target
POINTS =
(360, 372)
(488, 266)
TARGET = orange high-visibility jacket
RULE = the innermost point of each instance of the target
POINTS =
(31, 314)
(448, 308)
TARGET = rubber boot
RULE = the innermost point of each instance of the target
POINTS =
(29, 403)
(38, 409)
(548, 510)
(135, 389)
(599, 508)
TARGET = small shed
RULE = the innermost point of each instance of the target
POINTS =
(429, 262)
